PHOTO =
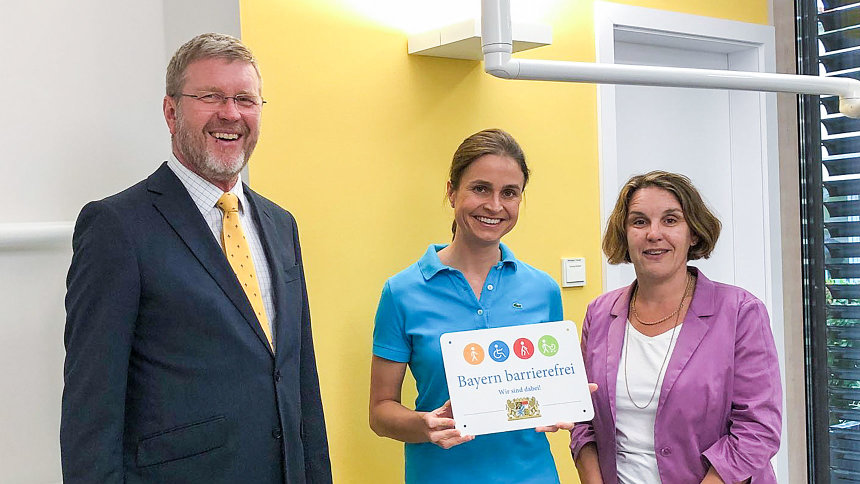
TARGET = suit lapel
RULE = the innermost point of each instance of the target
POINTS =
(692, 332)
(172, 200)
(267, 231)
(615, 341)
(266, 224)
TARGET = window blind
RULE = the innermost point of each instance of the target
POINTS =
(832, 159)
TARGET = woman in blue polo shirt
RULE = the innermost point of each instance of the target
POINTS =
(474, 282)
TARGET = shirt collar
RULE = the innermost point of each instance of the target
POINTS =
(204, 193)
(507, 255)
(430, 265)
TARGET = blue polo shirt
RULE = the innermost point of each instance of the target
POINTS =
(427, 299)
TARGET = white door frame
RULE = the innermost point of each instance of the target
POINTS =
(749, 47)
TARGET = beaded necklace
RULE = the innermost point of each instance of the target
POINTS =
(689, 285)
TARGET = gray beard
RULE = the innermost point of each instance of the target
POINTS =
(206, 164)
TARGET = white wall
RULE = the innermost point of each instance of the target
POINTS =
(82, 82)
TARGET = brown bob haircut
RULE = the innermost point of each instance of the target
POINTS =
(703, 224)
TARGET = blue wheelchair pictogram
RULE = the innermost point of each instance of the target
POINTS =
(499, 351)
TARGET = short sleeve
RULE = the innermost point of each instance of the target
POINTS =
(556, 310)
(390, 340)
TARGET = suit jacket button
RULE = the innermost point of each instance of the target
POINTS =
(665, 451)
(277, 434)
(277, 375)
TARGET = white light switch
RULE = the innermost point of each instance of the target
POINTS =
(573, 272)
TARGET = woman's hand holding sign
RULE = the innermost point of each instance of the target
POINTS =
(440, 427)
(592, 387)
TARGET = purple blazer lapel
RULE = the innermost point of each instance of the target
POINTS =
(615, 341)
(691, 334)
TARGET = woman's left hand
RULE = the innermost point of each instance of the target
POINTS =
(592, 387)
(712, 477)
(556, 427)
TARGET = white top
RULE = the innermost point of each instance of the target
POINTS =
(205, 196)
(634, 427)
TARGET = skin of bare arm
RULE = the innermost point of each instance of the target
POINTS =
(389, 418)
(587, 465)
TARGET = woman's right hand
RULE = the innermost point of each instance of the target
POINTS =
(440, 428)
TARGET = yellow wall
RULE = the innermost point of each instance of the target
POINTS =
(356, 142)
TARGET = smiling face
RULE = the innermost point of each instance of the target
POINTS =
(214, 140)
(658, 237)
(487, 202)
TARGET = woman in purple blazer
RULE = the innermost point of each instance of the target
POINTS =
(687, 372)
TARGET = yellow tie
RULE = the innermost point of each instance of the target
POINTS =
(239, 255)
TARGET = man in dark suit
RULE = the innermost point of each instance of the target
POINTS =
(189, 355)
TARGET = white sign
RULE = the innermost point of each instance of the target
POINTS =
(516, 377)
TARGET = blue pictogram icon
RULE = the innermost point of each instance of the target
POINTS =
(499, 351)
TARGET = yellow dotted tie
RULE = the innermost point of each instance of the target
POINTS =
(239, 255)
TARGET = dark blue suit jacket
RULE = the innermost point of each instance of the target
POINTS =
(168, 376)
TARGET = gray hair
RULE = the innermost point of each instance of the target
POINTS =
(206, 46)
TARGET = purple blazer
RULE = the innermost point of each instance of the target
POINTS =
(721, 400)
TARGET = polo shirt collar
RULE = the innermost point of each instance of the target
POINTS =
(507, 255)
(430, 265)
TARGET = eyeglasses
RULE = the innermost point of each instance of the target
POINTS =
(244, 102)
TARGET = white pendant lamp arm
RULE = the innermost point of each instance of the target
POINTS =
(497, 47)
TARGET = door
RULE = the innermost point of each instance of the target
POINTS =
(725, 141)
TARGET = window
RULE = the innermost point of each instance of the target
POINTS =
(829, 45)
